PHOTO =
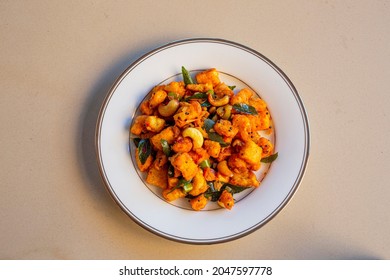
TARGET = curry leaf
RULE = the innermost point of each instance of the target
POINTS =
(198, 95)
(165, 146)
(205, 104)
(213, 136)
(144, 150)
(214, 194)
(245, 108)
(136, 141)
(270, 158)
(211, 193)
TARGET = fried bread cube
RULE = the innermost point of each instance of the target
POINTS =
(154, 124)
(146, 109)
(199, 155)
(173, 194)
(242, 96)
(266, 145)
(158, 177)
(265, 120)
(199, 202)
(251, 152)
(182, 145)
(139, 125)
(167, 134)
(226, 200)
(176, 87)
(213, 148)
(258, 103)
(208, 76)
(185, 164)
(199, 184)
(200, 87)
(237, 164)
(225, 128)
(245, 179)
(224, 153)
(161, 160)
(187, 113)
(209, 174)
(222, 89)
(243, 124)
(157, 98)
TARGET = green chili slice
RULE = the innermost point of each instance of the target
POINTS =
(204, 164)
(270, 158)
(186, 76)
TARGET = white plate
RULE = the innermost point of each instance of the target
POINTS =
(216, 225)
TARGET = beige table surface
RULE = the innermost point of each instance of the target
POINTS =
(59, 58)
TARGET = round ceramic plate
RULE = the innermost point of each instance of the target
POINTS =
(238, 65)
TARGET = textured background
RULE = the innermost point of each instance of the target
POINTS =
(59, 58)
